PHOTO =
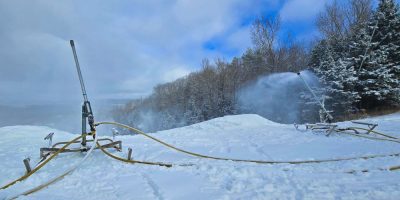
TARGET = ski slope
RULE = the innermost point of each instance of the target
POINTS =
(239, 136)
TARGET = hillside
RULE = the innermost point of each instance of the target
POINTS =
(238, 136)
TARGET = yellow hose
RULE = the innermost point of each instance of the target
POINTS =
(369, 137)
(237, 160)
(392, 139)
(394, 168)
(42, 164)
(44, 185)
(132, 161)
(376, 132)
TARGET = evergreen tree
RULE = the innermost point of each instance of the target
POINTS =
(337, 77)
(375, 54)
(340, 88)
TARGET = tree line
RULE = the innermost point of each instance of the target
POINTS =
(356, 59)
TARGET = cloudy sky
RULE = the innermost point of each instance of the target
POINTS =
(125, 47)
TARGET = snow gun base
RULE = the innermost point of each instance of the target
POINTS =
(46, 151)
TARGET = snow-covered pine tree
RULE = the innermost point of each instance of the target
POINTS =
(338, 80)
(375, 54)
(318, 54)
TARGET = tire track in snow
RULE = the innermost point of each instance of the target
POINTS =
(153, 187)
(256, 147)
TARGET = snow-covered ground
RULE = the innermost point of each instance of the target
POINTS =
(240, 136)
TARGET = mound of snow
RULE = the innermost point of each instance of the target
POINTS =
(244, 120)
(238, 136)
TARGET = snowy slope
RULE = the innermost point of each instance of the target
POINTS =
(240, 136)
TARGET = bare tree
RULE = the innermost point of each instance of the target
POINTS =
(265, 31)
(279, 54)
(339, 20)
(332, 21)
(359, 12)
(264, 35)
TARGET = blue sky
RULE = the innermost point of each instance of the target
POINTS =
(298, 19)
(126, 47)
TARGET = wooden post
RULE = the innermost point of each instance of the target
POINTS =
(27, 165)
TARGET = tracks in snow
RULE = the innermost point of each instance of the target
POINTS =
(153, 187)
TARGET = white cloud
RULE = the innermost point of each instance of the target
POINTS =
(123, 46)
(301, 10)
(175, 73)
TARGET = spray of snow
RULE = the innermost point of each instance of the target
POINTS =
(276, 96)
(148, 120)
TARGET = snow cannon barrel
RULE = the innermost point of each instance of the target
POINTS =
(328, 116)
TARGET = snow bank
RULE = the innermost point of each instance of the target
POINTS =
(239, 136)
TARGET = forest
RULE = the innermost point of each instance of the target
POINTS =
(356, 59)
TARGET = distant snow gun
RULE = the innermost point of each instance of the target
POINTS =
(325, 116)
(328, 127)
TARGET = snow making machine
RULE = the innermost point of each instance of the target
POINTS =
(326, 119)
(87, 118)
(325, 116)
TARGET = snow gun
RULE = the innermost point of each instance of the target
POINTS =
(87, 118)
(87, 113)
(327, 117)
(326, 120)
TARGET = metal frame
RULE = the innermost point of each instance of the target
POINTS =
(329, 128)
(60, 143)
(370, 126)
(44, 152)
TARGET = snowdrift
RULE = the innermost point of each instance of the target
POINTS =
(239, 136)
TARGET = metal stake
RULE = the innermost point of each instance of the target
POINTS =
(129, 153)
(27, 165)
(50, 138)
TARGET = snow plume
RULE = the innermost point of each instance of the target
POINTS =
(148, 120)
(277, 96)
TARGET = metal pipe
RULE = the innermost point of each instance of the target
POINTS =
(87, 114)
(84, 116)
(368, 46)
(78, 69)
(129, 154)
(27, 165)
(315, 97)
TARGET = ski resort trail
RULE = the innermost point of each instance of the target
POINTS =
(240, 136)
